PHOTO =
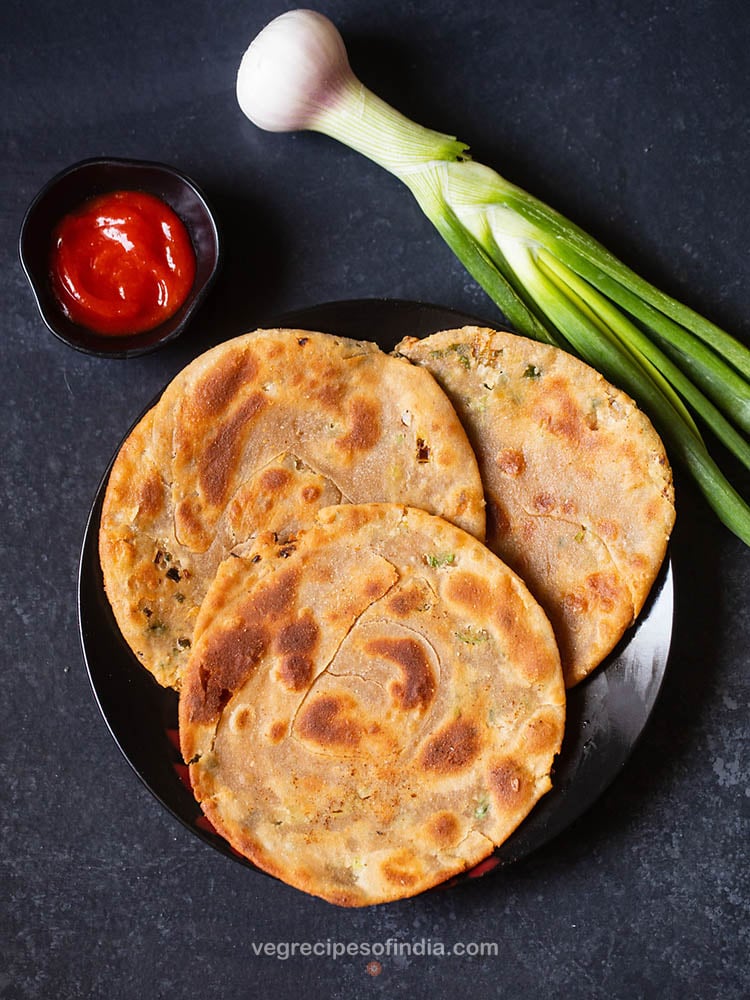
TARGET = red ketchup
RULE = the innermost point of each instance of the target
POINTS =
(121, 263)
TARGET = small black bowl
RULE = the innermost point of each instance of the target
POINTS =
(85, 180)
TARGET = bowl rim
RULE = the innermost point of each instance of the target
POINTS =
(130, 345)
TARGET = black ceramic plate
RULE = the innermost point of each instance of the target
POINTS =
(606, 713)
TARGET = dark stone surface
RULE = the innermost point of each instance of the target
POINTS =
(633, 119)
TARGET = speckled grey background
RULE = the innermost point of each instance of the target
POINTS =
(633, 118)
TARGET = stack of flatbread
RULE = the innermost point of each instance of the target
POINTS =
(372, 677)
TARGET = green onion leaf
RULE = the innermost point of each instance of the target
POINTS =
(551, 280)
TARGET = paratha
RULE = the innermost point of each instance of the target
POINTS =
(257, 434)
(579, 492)
(371, 709)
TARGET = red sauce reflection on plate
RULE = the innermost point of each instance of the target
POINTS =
(121, 263)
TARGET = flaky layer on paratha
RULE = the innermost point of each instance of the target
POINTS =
(256, 435)
(371, 709)
(578, 487)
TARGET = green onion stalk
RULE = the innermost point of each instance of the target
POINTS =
(551, 281)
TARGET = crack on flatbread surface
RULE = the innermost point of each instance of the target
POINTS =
(471, 832)
(586, 526)
(342, 640)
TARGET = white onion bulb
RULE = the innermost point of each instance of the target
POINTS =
(294, 69)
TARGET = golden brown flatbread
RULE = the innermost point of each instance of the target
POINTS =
(578, 487)
(371, 709)
(257, 434)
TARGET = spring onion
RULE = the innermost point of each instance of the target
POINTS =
(551, 280)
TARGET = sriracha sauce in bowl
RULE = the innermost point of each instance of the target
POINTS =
(119, 254)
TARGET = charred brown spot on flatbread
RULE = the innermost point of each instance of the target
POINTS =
(399, 869)
(605, 590)
(540, 732)
(329, 721)
(469, 590)
(364, 431)
(610, 530)
(452, 749)
(297, 638)
(150, 496)
(444, 829)
(225, 661)
(511, 462)
(275, 479)
(416, 687)
(331, 394)
(296, 671)
(405, 601)
(220, 385)
(559, 412)
(510, 784)
(544, 503)
(220, 457)
(277, 732)
(372, 589)
(575, 603)
(275, 600)
(296, 644)
(188, 523)
(241, 719)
